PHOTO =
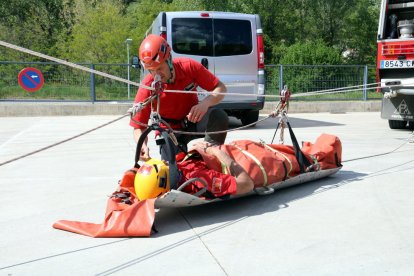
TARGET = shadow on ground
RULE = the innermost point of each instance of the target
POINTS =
(229, 212)
(241, 208)
(271, 123)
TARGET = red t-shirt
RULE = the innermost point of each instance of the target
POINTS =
(189, 74)
(219, 184)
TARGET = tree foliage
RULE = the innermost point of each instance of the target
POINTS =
(99, 35)
(298, 31)
(35, 24)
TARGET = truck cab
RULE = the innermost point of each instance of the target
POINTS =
(395, 62)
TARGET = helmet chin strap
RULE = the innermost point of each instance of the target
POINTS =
(170, 65)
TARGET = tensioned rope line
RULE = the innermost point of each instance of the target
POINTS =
(83, 68)
(409, 140)
(70, 64)
(63, 141)
(299, 94)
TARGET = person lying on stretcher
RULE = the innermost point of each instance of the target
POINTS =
(152, 179)
(237, 168)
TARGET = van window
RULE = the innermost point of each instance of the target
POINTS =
(194, 36)
(232, 37)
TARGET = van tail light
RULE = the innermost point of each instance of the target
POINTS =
(260, 50)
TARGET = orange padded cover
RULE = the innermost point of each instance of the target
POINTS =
(121, 219)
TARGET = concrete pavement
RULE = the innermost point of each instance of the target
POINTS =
(357, 222)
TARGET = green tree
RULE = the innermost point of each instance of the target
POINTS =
(325, 19)
(144, 12)
(358, 39)
(34, 24)
(309, 53)
(95, 30)
(99, 35)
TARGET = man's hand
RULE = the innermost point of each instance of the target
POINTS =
(203, 146)
(197, 112)
(137, 107)
(144, 154)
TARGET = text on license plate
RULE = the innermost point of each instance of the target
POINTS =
(397, 64)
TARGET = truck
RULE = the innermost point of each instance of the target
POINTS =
(395, 62)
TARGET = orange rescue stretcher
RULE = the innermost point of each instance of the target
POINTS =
(271, 166)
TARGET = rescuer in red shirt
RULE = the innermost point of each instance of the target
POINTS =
(181, 111)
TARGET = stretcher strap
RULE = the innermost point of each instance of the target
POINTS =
(300, 156)
(284, 156)
(251, 156)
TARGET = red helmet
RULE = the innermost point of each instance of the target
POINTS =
(153, 51)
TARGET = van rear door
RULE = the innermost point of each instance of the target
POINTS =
(225, 43)
(235, 54)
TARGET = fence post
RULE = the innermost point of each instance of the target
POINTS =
(280, 77)
(92, 85)
(364, 90)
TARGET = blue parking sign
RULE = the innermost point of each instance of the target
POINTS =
(31, 79)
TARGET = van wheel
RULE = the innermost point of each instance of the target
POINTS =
(249, 117)
(397, 124)
(411, 125)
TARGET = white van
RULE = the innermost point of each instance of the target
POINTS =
(230, 45)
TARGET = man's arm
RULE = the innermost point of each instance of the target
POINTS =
(198, 111)
(216, 96)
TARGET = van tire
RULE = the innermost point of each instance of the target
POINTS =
(249, 117)
(394, 124)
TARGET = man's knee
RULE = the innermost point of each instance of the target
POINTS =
(218, 120)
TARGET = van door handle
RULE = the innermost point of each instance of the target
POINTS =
(204, 62)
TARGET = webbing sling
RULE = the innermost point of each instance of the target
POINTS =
(172, 163)
(300, 156)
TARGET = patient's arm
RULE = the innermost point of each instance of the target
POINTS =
(244, 182)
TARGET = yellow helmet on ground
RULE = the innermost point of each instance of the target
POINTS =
(152, 179)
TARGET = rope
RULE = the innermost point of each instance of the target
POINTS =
(70, 64)
(274, 114)
(61, 142)
(409, 140)
(375, 85)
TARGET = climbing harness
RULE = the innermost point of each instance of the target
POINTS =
(166, 134)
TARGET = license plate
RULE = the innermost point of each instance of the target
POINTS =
(389, 64)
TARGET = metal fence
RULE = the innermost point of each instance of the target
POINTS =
(63, 83)
(314, 78)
